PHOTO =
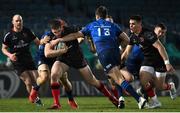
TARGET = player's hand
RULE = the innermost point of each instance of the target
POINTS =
(55, 42)
(170, 68)
(64, 49)
(45, 39)
(13, 57)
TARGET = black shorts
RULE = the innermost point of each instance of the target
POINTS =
(77, 61)
(157, 63)
(25, 66)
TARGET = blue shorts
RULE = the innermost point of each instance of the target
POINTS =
(109, 59)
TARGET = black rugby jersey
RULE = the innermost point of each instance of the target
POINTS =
(145, 40)
(18, 42)
(74, 50)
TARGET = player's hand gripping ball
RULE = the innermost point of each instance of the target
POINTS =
(60, 45)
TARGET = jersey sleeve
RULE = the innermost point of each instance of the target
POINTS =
(6, 39)
(31, 34)
(86, 30)
(152, 38)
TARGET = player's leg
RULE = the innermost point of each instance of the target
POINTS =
(34, 91)
(68, 89)
(119, 79)
(29, 78)
(91, 79)
(27, 81)
(162, 85)
(113, 87)
(147, 76)
(128, 77)
(57, 70)
(44, 74)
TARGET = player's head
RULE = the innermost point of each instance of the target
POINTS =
(135, 23)
(160, 30)
(101, 12)
(109, 18)
(55, 26)
(17, 22)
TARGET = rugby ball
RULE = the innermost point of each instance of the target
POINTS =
(60, 45)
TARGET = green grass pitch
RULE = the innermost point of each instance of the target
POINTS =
(86, 104)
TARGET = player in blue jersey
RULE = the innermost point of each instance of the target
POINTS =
(105, 36)
(45, 64)
(156, 61)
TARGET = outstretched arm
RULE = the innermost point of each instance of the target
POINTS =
(124, 38)
(126, 52)
(71, 36)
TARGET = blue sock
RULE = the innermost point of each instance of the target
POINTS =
(69, 95)
(120, 90)
(125, 85)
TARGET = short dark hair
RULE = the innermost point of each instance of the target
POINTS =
(54, 24)
(162, 26)
(138, 18)
(102, 12)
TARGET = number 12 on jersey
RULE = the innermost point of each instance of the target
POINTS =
(103, 31)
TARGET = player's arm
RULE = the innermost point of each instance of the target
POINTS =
(124, 38)
(50, 52)
(126, 52)
(71, 36)
(163, 54)
(91, 44)
(7, 53)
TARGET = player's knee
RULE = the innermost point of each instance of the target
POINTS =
(54, 76)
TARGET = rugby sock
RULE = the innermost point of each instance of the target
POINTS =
(55, 92)
(34, 93)
(120, 90)
(69, 95)
(36, 87)
(125, 85)
(115, 92)
(150, 92)
(166, 86)
(104, 90)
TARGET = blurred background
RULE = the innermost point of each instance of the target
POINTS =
(37, 13)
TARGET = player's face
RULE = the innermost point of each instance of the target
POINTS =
(134, 26)
(56, 32)
(17, 22)
(159, 32)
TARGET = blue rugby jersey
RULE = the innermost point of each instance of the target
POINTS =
(104, 34)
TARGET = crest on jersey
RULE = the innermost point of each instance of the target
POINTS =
(141, 39)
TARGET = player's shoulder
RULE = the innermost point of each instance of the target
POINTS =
(25, 29)
(147, 31)
(7, 35)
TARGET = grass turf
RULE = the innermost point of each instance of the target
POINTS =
(86, 104)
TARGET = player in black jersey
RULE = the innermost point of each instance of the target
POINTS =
(156, 61)
(69, 56)
(15, 46)
(45, 64)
